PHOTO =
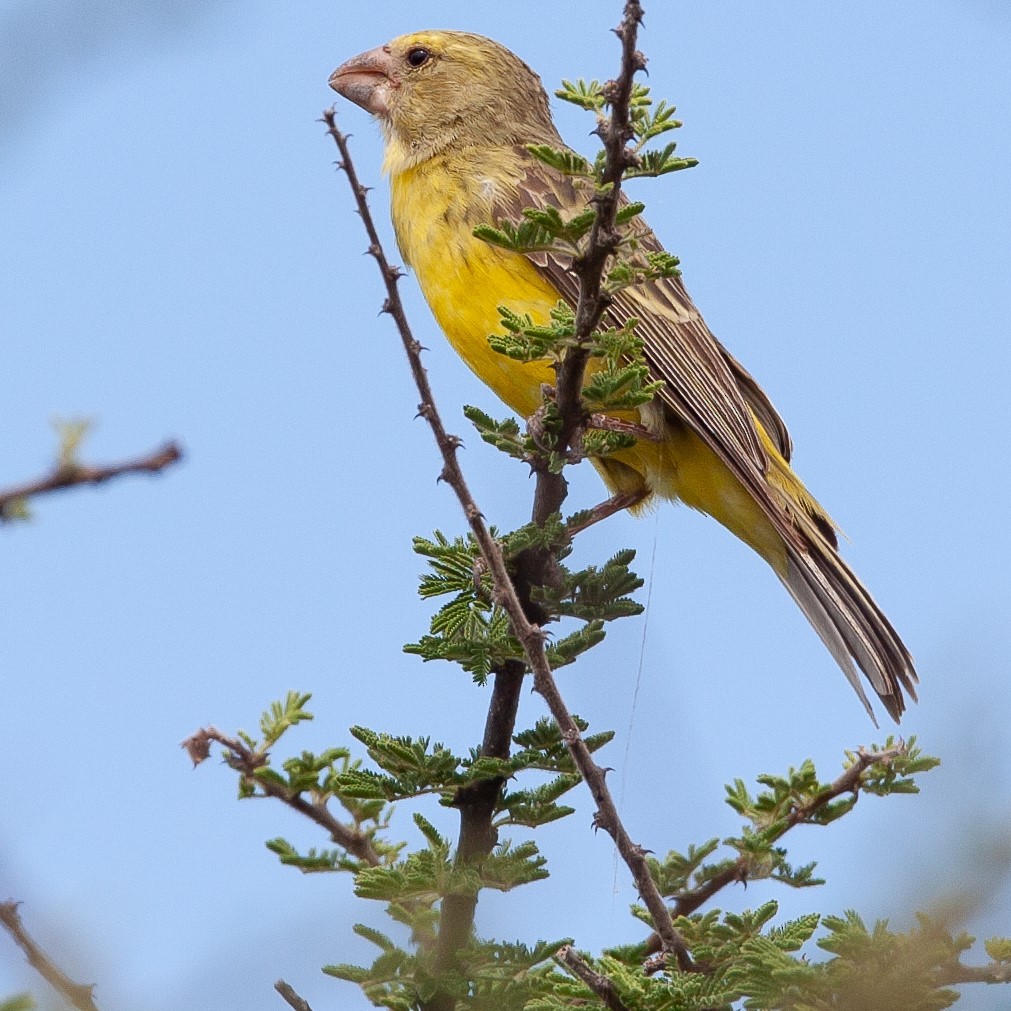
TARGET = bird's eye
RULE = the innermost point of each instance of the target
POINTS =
(418, 56)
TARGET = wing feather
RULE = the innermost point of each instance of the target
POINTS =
(709, 390)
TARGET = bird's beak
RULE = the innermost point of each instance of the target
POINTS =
(368, 80)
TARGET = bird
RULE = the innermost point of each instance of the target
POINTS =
(459, 113)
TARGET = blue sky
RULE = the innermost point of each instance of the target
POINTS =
(179, 258)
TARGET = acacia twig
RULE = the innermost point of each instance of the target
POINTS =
(477, 837)
(615, 504)
(67, 475)
(737, 872)
(847, 782)
(570, 959)
(615, 131)
(245, 761)
(80, 995)
(530, 636)
(291, 997)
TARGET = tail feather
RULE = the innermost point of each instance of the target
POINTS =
(851, 625)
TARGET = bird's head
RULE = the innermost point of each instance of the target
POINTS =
(434, 90)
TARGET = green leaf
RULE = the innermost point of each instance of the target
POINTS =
(658, 163)
(408, 756)
(435, 841)
(536, 806)
(452, 564)
(595, 594)
(587, 95)
(509, 866)
(523, 237)
(21, 1002)
(526, 341)
(282, 716)
(648, 125)
(543, 748)
(631, 210)
(565, 230)
(379, 939)
(313, 862)
(565, 650)
(673, 874)
(71, 433)
(999, 949)
(562, 159)
(503, 435)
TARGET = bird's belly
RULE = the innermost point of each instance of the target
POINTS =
(683, 468)
(465, 291)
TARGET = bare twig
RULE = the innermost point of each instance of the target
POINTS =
(291, 997)
(607, 817)
(68, 475)
(615, 131)
(615, 504)
(550, 493)
(78, 994)
(569, 959)
(245, 761)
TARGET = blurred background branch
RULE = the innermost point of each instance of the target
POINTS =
(77, 994)
(68, 472)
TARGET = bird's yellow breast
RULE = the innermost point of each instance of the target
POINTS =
(464, 279)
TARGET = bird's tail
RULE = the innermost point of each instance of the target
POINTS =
(850, 624)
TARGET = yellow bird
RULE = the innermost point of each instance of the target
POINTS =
(457, 112)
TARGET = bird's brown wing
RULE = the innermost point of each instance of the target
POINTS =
(759, 402)
(707, 389)
(703, 384)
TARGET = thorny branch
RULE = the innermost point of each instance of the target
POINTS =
(77, 994)
(245, 761)
(569, 959)
(291, 996)
(477, 837)
(615, 131)
(69, 474)
(550, 493)
(615, 504)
